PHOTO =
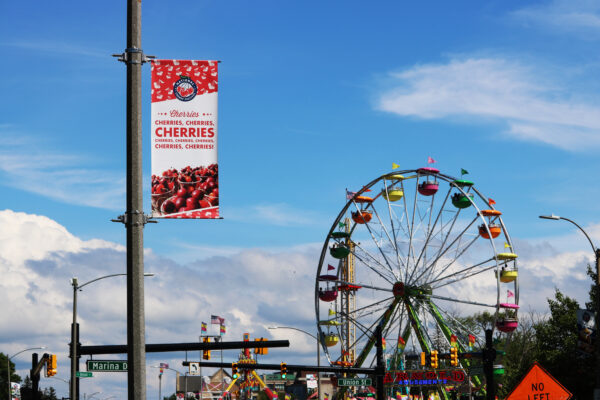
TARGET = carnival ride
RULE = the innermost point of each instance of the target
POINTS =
(413, 251)
(247, 379)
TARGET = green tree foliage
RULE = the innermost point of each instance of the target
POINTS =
(556, 340)
(4, 375)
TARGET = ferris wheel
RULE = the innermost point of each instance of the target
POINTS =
(413, 252)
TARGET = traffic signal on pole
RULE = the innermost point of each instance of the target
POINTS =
(261, 350)
(206, 353)
(423, 359)
(434, 359)
(283, 370)
(234, 371)
(51, 365)
(454, 356)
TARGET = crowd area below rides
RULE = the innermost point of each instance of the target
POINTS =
(339, 287)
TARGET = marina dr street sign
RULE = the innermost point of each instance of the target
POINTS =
(107, 365)
(354, 382)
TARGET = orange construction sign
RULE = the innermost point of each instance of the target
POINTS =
(538, 384)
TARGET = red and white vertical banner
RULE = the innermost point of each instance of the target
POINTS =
(185, 170)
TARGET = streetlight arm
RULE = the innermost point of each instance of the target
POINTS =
(581, 229)
(23, 351)
(296, 329)
(107, 276)
(172, 369)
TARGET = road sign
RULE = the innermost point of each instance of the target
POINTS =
(107, 365)
(539, 384)
(194, 368)
(83, 374)
(354, 382)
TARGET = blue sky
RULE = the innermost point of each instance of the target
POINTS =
(314, 98)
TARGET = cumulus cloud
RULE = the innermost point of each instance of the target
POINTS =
(251, 289)
(573, 16)
(495, 90)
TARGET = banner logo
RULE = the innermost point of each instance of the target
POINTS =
(185, 89)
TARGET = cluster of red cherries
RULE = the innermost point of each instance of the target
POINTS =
(186, 190)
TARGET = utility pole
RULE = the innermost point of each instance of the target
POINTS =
(380, 368)
(489, 355)
(134, 218)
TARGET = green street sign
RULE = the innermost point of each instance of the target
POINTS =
(354, 382)
(83, 374)
(107, 365)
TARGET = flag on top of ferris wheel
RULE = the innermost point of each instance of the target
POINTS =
(185, 172)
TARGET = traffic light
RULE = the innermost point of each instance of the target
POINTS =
(234, 371)
(51, 365)
(434, 359)
(454, 356)
(261, 350)
(206, 353)
(283, 370)
(423, 359)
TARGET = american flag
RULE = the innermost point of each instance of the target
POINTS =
(216, 320)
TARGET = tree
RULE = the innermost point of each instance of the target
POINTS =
(4, 374)
(49, 394)
(557, 351)
(520, 352)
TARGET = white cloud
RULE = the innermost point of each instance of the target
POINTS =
(58, 176)
(496, 90)
(560, 16)
(279, 214)
(252, 289)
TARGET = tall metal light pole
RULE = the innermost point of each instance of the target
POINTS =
(597, 305)
(177, 373)
(8, 364)
(73, 387)
(318, 353)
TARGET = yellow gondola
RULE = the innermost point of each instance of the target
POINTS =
(508, 275)
(331, 340)
(392, 194)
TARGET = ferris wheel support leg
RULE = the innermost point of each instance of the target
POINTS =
(465, 363)
(380, 363)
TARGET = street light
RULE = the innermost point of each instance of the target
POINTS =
(60, 379)
(160, 379)
(73, 388)
(597, 319)
(8, 364)
(318, 353)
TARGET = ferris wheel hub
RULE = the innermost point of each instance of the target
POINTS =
(398, 289)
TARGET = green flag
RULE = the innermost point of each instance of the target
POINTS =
(463, 172)
(341, 225)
